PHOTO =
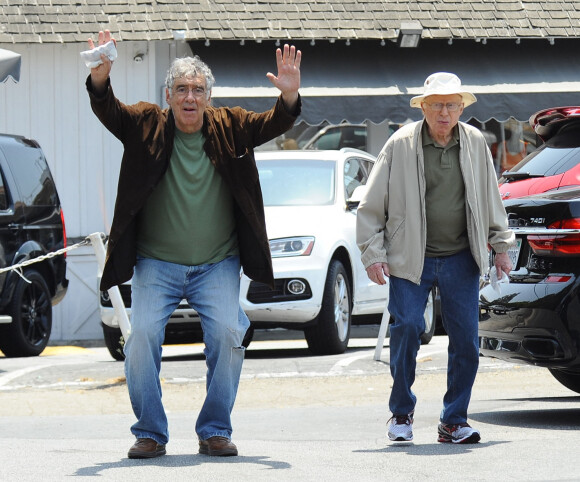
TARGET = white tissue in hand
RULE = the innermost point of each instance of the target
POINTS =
(92, 58)
(495, 282)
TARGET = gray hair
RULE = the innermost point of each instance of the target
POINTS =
(189, 67)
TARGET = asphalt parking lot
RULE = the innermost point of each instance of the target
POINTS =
(297, 417)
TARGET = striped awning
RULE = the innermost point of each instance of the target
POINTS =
(356, 84)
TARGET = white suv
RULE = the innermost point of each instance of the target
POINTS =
(321, 286)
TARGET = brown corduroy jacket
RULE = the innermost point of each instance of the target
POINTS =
(147, 133)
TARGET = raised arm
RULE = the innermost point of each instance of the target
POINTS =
(288, 78)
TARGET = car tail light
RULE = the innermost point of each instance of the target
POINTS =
(557, 279)
(561, 244)
(63, 230)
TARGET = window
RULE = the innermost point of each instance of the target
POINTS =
(356, 173)
(297, 182)
(33, 176)
(337, 137)
(3, 196)
(549, 161)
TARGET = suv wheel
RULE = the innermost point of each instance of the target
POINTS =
(430, 319)
(330, 335)
(114, 342)
(248, 337)
(569, 378)
(31, 311)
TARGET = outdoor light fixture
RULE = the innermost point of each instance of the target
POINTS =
(409, 34)
(179, 35)
(207, 42)
(139, 53)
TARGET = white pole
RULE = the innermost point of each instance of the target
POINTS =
(382, 333)
(114, 293)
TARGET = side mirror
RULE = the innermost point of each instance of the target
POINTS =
(356, 197)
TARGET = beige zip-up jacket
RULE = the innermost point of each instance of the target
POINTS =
(391, 220)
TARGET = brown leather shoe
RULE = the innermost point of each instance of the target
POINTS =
(218, 446)
(146, 448)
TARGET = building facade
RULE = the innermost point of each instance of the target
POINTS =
(362, 62)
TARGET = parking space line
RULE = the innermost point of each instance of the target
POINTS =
(8, 377)
(339, 365)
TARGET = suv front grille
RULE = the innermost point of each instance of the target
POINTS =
(183, 313)
(262, 293)
(257, 293)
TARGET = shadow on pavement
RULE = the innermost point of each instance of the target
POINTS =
(178, 461)
(549, 419)
(430, 449)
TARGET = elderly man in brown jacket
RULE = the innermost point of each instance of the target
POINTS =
(188, 213)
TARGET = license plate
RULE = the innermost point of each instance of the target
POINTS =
(514, 252)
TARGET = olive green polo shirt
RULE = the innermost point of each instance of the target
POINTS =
(189, 217)
(444, 196)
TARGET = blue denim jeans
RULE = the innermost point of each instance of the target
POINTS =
(213, 291)
(457, 277)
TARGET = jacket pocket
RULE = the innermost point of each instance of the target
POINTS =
(395, 232)
(244, 167)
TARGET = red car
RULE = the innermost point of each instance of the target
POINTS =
(556, 163)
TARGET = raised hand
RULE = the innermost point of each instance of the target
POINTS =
(100, 74)
(288, 78)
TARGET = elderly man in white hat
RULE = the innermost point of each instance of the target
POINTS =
(431, 209)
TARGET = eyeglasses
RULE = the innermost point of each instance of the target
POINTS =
(184, 90)
(438, 106)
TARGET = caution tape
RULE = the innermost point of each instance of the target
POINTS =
(18, 268)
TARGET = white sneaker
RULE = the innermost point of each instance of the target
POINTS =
(400, 428)
(461, 433)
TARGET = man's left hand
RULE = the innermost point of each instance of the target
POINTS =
(503, 263)
(288, 78)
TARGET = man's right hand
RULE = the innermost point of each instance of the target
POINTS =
(377, 273)
(100, 74)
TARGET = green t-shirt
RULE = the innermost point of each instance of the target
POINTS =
(189, 217)
(444, 197)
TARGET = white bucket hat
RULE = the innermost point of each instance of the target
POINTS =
(443, 83)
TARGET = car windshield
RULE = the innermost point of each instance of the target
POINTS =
(548, 161)
(292, 182)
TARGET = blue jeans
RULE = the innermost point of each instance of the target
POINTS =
(457, 277)
(213, 290)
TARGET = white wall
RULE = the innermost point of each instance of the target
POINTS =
(50, 104)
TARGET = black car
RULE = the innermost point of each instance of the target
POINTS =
(31, 225)
(535, 319)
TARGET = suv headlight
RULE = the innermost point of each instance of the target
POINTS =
(298, 246)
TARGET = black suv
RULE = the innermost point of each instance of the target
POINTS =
(31, 225)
